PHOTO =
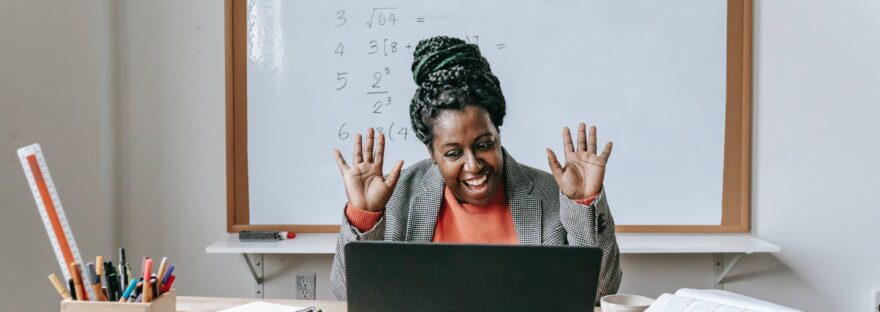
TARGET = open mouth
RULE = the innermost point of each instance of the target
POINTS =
(477, 185)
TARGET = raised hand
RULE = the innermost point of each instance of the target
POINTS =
(584, 171)
(365, 185)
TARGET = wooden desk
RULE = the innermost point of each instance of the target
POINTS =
(205, 304)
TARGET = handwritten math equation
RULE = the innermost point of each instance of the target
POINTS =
(378, 99)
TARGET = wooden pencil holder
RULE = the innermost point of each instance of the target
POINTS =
(167, 302)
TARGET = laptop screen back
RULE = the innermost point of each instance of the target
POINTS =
(386, 276)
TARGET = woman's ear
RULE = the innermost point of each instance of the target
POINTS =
(431, 153)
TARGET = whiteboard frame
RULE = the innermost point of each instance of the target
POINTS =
(736, 187)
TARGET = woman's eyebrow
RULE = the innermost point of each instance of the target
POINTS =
(483, 135)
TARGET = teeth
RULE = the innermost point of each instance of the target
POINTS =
(476, 182)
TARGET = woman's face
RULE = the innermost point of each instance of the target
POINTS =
(467, 149)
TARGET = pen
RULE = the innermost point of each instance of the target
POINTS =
(77, 281)
(148, 272)
(59, 286)
(123, 274)
(71, 287)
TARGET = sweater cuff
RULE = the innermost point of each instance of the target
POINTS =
(361, 219)
(586, 201)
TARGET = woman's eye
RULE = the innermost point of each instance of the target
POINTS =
(454, 153)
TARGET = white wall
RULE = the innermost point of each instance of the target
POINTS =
(816, 98)
(816, 95)
(56, 89)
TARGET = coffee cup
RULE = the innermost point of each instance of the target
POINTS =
(625, 303)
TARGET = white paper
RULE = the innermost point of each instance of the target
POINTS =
(262, 306)
(673, 303)
(712, 300)
(733, 299)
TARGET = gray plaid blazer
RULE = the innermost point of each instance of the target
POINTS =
(541, 215)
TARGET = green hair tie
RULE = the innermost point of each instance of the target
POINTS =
(465, 54)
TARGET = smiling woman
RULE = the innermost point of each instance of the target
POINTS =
(472, 190)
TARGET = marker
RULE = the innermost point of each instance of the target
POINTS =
(96, 282)
(155, 287)
(59, 286)
(167, 286)
(113, 289)
(99, 268)
(128, 292)
(167, 274)
(130, 277)
(148, 289)
(72, 288)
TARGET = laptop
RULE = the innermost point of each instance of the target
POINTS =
(396, 276)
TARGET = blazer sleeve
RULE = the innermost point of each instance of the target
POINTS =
(593, 226)
(348, 233)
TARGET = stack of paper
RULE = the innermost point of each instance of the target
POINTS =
(263, 306)
(712, 300)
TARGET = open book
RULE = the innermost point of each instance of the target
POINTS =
(712, 300)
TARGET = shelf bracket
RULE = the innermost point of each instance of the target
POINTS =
(256, 268)
(722, 267)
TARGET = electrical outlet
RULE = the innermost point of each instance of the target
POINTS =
(305, 286)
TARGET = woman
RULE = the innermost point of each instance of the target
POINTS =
(471, 190)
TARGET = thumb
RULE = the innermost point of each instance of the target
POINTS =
(555, 167)
(391, 181)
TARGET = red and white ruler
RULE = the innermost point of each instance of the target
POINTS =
(51, 211)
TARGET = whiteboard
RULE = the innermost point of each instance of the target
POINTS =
(650, 74)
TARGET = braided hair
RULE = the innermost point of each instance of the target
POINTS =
(451, 74)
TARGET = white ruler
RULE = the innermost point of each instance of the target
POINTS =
(49, 205)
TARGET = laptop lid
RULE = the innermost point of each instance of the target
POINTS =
(396, 276)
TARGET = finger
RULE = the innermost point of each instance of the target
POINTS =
(358, 156)
(340, 161)
(555, 167)
(592, 147)
(391, 181)
(368, 152)
(380, 151)
(567, 146)
(606, 152)
(582, 137)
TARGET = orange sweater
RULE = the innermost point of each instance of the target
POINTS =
(461, 223)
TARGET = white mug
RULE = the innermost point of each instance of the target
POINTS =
(625, 303)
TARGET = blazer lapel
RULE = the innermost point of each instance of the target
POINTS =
(525, 207)
(424, 208)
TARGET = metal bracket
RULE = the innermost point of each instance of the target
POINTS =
(259, 286)
(722, 268)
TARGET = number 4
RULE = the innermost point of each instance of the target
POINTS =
(340, 50)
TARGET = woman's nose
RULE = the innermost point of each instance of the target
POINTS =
(472, 164)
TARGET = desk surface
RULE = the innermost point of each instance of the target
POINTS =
(628, 243)
(205, 304)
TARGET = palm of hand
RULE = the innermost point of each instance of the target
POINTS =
(365, 185)
(368, 186)
(584, 171)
